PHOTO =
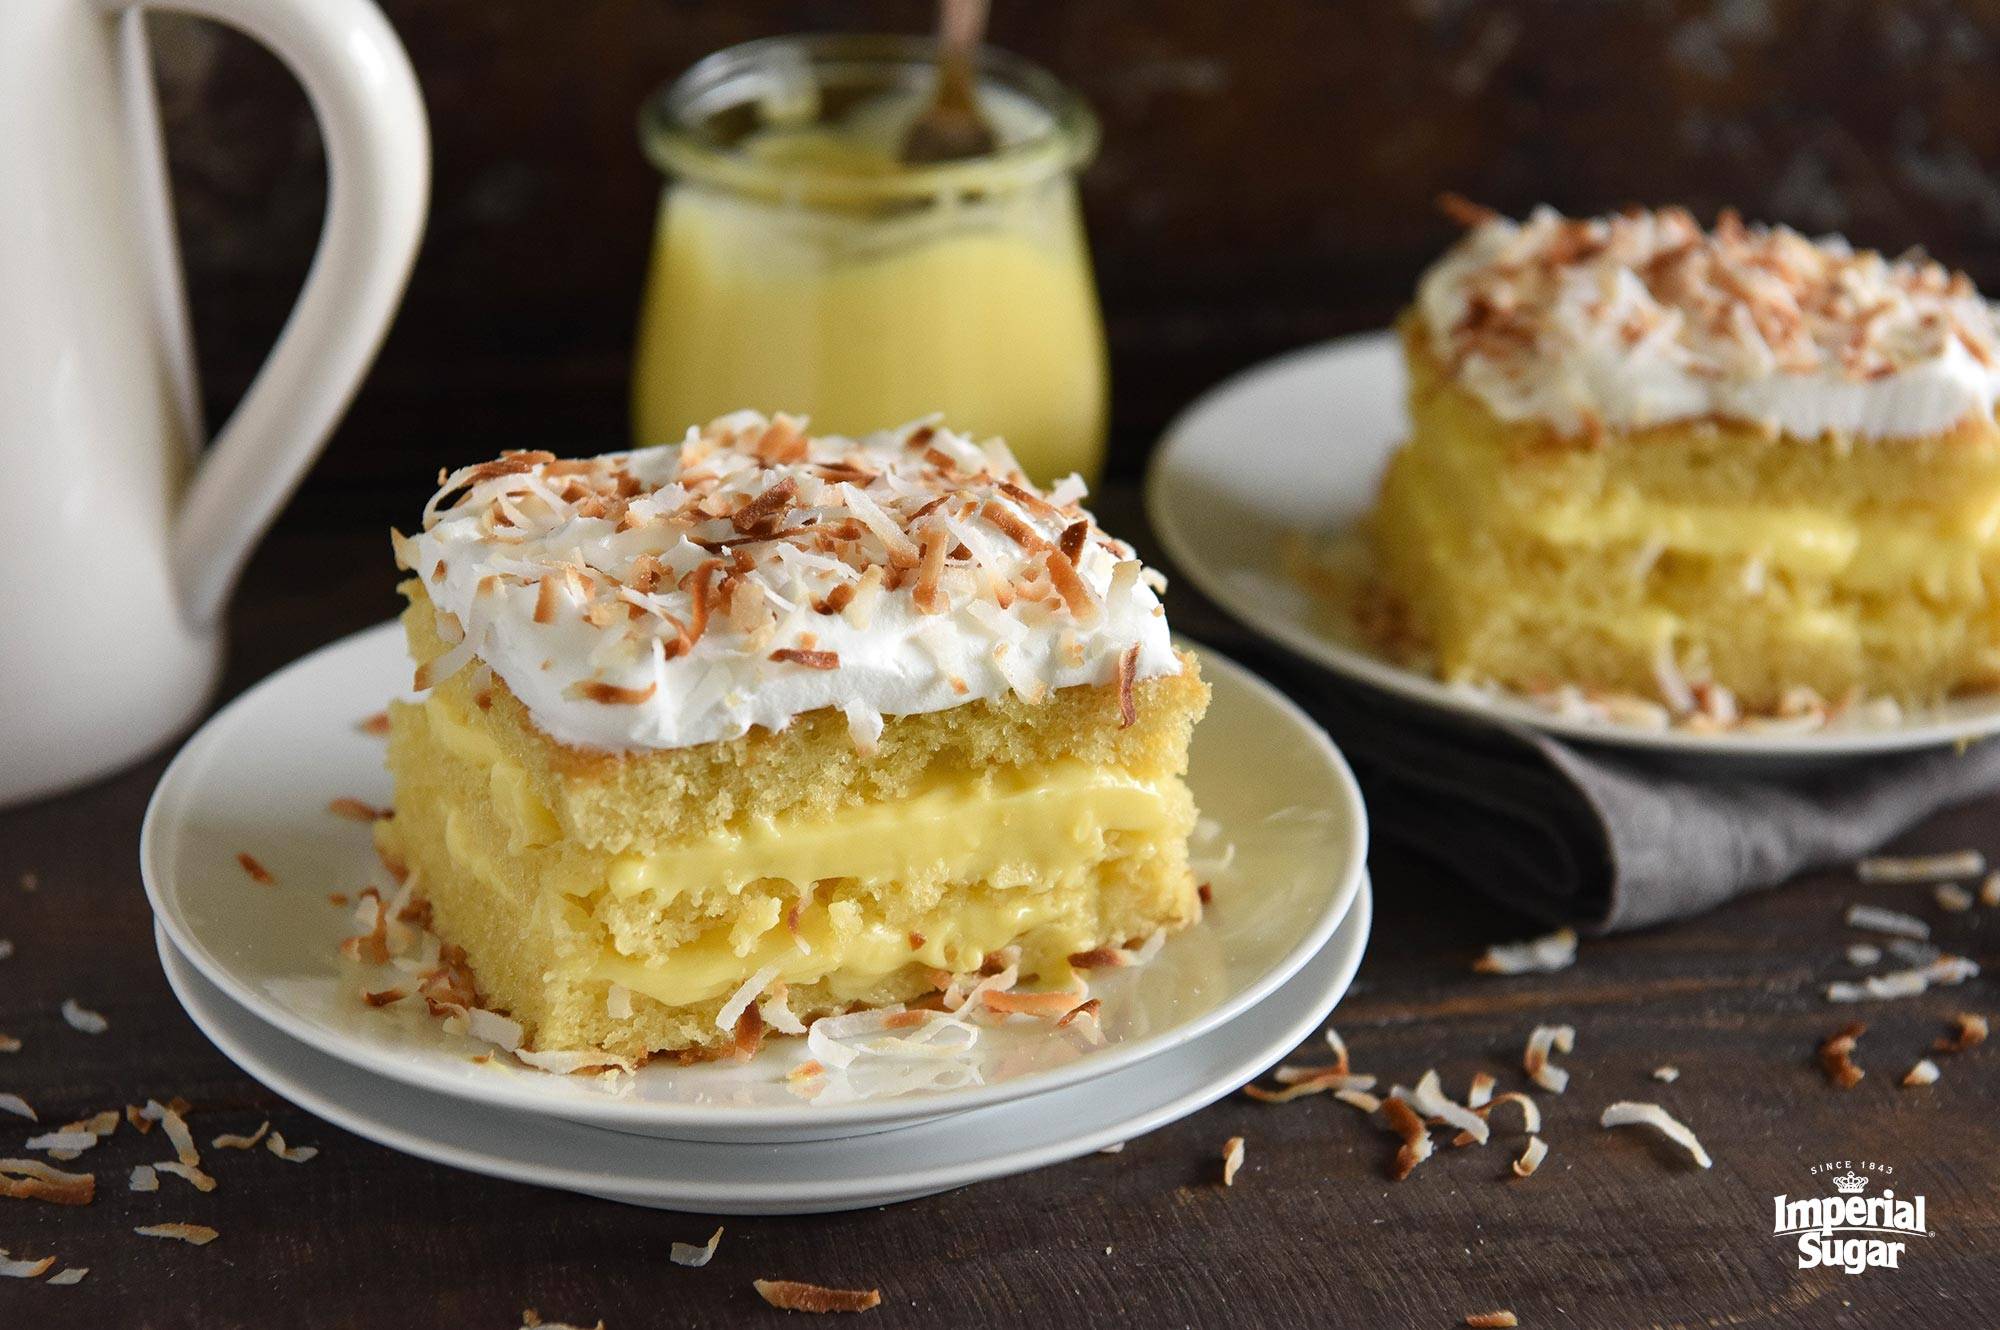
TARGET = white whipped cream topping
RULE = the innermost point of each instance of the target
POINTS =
(1643, 318)
(623, 540)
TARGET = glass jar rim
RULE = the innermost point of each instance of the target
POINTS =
(670, 120)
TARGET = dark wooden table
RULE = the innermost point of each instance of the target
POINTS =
(1615, 1230)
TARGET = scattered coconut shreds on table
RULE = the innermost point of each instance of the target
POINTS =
(199, 1235)
(1905, 983)
(1493, 1320)
(1480, 1092)
(696, 1255)
(9, 1044)
(1232, 1160)
(1893, 922)
(1115, 1148)
(6, 948)
(1925, 1072)
(791, 1296)
(227, 1141)
(1836, 1056)
(1922, 867)
(143, 1178)
(32, 1180)
(62, 1144)
(1628, 1114)
(1667, 1074)
(1406, 1123)
(255, 870)
(70, 1275)
(1535, 1059)
(82, 1018)
(1541, 955)
(1952, 898)
(1531, 1158)
(1864, 953)
(1989, 889)
(1968, 1030)
(295, 1154)
(13, 1103)
(11, 1268)
(1361, 1099)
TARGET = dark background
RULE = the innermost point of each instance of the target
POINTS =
(1267, 177)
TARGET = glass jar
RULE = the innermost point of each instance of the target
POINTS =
(800, 266)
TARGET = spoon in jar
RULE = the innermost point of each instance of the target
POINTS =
(951, 127)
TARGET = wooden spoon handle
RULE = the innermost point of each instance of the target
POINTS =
(961, 27)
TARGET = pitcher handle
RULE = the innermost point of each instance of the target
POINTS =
(371, 118)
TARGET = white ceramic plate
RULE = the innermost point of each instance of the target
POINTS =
(1295, 448)
(801, 1177)
(258, 777)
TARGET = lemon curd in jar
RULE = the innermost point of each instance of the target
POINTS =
(799, 265)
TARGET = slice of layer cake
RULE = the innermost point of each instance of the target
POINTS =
(1713, 468)
(760, 727)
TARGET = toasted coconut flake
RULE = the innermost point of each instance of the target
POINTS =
(611, 695)
(1989, 890)
(82, 1018)
(170, 1120)
(69, 1275)
(1480, 1093)
(1968, 1030)
(354, 810)
(1531, 1158)
(1128, 672)
(1925, 1072)
(1232, 1160)
(1864, 953)
(1535, 1060)
(291, 1154)
(1406, 1123)
(13, 1103)
(746, 993)
(256, 871)
(23, 1269)
(1951, 897)
(1923, 867)
(32, 1180)
(811, 660)
(1115, 1148)
(1836, 1056)
(144, 1178)
(230, 1142)
(1628, 1114)
(386, 997)
(199, 1235)
(1905, 983)
(1542, 955)
(1501, 1319)
(376, 724)
(202, 1181)
(569, 1061)
(1360, 1099)
(1895, 922)
(687, 1253)
(791, 1296)
(1668, 1073)
(1430, 1099)
(9, 1044)
(65, 1144)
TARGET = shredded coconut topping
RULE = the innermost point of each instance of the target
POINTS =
(684, 593)
(1645, 317)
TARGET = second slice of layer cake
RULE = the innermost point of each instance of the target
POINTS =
(1646, 457)
(808, 721)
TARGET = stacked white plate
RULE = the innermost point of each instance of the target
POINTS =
(257, 965)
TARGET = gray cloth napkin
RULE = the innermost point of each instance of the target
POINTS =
(1603, 841)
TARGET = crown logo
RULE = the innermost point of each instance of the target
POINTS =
(1850, 1184)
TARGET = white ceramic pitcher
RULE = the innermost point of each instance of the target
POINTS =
(119, 539)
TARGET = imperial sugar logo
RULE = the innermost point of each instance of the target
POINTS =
(1851, 1229)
